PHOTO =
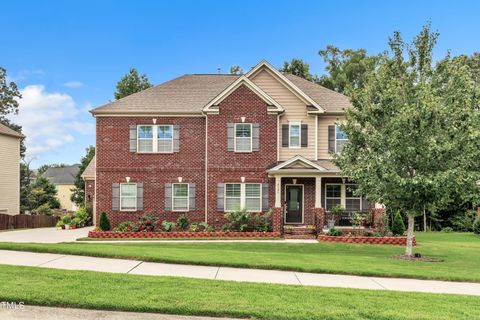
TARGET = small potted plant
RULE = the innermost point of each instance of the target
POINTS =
(335, 211)
(67, 220)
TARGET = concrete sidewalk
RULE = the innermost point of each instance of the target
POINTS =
(41, 313)
(71, 262)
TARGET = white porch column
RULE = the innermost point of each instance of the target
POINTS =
(278, 192)
(318, 192)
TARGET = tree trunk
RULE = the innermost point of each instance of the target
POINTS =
(424, 220)
(411, 222)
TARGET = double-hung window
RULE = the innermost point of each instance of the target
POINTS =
(145, 138)
(243, 137)
(353, 202)
(165, 138)
(340, 139)
(243, 196)
(294, 134)
(333, 195)
(128, 197)
(180, 197)
(155, 138)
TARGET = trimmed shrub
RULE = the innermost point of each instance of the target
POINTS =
(168, 226)
(476, 226)
(104, 222)
(183, 222)
(123, 226)
(334, 232)
(398, 227)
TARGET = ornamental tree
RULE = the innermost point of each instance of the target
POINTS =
(414, 138)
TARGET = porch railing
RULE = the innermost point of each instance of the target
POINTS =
(345, 219)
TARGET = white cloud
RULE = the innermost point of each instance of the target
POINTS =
(73, 84)
(49, 120)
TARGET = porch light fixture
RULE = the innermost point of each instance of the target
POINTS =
(154, 121)
(127, 179)
(180, 179)
(243, 119)
(242, 179)
(294, 181)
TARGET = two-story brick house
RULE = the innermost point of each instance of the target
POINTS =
(204, 144)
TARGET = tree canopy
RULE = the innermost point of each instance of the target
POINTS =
(78, 192)
(414, 142)
(236, 70)
(297, 67)
(131, 83)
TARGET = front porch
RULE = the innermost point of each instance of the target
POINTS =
(305, 193)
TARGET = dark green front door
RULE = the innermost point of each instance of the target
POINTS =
(294, 204)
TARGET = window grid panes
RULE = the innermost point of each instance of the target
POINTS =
(352, 201)
(180, 197)
(165, 138)
(243, 137)
(340, 139)
(333, 195)
(128, 196)
(232, 196)
(294, 135)
(145, 138)
(253, 197)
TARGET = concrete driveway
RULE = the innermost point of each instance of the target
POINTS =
(44, 235)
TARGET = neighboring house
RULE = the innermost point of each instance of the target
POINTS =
(205, 144)
(63, 178)
(88, 176)
(9, 170)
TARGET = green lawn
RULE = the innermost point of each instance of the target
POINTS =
(93, 290)
(461, 252)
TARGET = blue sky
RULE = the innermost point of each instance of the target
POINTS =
(67, 56)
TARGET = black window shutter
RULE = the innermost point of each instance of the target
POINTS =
(133, 138)
(115, 196)
(304, 135)
(285, 135)
(331, 138)
(140, 196)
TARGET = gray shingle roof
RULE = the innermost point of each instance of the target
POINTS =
(65, 175)
(9, 132)
(185, 94)
(328, 99)
(190, 93)
(89, 171)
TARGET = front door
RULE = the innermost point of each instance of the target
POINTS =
(294, 204)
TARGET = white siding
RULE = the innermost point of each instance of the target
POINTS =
(295, 111)
(9, 174)
(323, 123)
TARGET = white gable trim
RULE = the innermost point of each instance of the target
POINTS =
(299, 158)
(212, 105)
(284, 80)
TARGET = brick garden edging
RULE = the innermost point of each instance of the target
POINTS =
(399, 241)
(181, 234)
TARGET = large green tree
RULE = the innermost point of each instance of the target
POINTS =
(131, 83)
(42, 192)
(414, 142)
(347, 69)
(78, 192)
(297, 67)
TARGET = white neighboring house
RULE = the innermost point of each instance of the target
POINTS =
(9, 170)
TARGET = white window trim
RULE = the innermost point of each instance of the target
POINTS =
(299, 124)
(164, 139)
(155, 138)
(136, 196)
(242, 196)
(182, 197)
(360, 197)
(235, 138)
(343, 194)
(337, 127)
(152, 138)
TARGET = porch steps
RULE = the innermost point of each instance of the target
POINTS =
(298, 232)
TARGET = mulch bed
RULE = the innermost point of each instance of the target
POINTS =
(413, 258)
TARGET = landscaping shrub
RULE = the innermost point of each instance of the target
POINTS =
(82, 215)
(104, 222)
(76, 222)
(206, 227)
(334, 232)
(123, 226)
(237, 220)
(398, 227)
(476, 226)
(66, 219)
(146, 223)
(194, 227)
(261, 221)
(44, 209)
(183, 222)
(168, 226)
(447, 230)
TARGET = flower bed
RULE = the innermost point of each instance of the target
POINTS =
(179, 234)
(400, 241)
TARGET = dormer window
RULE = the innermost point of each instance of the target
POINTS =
(295, 135)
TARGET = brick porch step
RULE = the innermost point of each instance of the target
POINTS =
(298, 232)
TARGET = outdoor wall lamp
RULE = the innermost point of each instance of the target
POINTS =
(243, 119)
(180, 179)
(127, 179)
(242, 179)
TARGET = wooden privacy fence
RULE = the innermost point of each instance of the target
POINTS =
(21, 221)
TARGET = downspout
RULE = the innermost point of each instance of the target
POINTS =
(206, 168)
